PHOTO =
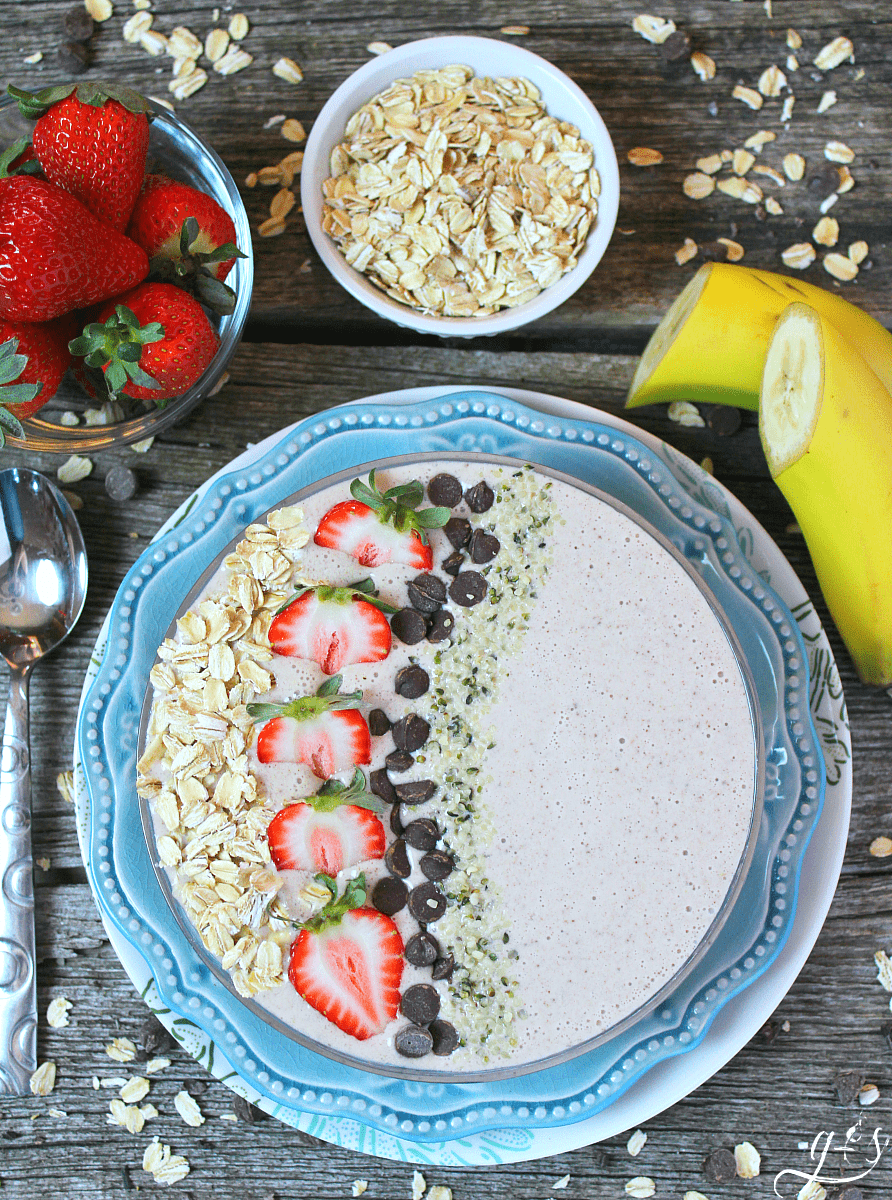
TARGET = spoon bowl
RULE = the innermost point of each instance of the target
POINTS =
(43, 585)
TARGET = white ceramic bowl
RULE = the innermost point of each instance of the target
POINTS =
(562, 99)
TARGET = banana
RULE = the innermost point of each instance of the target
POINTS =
(825, 421)
(711, 344)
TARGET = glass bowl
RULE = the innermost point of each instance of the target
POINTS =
(175, 150)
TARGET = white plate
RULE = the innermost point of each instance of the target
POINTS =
(669, 1081)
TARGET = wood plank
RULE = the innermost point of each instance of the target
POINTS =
(295, 299)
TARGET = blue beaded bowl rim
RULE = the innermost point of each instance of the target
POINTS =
(471, 420)
(413, 1069)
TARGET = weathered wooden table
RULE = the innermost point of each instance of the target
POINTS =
(309, 346)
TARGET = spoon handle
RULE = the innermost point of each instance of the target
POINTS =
(18, 993)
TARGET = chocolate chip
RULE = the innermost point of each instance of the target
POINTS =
(398, 760)
(120, 483)
(480, 497)
(409, 626)
(444, 489)
(713, 251)
(847, 1193)
(422, 950)
(412, 1041)
(195, 1087)
(885, 1027)
(380, 784)
(389, 895)
(416, 792)
(420, 1003)
(422, 834)
(396, 859)
(720, 1166)
(410, 732)
(379, 722)
(74, 57)
(824, 181)
(412, 682)
(458, 531)
(426, 593)
(848, 1084)
(452, 564)
(769, 1032)
(437, 865)
(78, 24)
(396, 820)
(440, 626)
(426, 903)
(723, 419)
(445, 1037)
(483, 546)
(468, 588)
(246, 1111)
(676, 47)
(443, 967)
(154, 1038)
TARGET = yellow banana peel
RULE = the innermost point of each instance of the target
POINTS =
(710, 347)
(825, 420)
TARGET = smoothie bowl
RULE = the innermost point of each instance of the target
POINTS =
(456, 795)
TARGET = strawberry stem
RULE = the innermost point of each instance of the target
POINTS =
(193, 270)
(363, 589)
(116, 347)
(308, 708)
(397, 506)
(353, 897)
(94, 92)
(333, 794)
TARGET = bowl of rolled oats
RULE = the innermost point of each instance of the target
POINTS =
(460, 186)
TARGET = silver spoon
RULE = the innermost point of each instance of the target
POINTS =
(43, 584)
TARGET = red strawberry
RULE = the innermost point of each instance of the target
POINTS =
(45, 348)
(329, 831)
(55, 255)
(178, 342)
(378, 527)
(91, 139)
(162, 207)
(347, 962)
(333, 626)
(325, 732)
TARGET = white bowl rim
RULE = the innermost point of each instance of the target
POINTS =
(448, 50)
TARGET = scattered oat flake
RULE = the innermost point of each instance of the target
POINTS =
(840, 267)
(419, 1185)
(827, 101)
(733, 250)
(235, 59)
(826, 232)
(748, 96)
(142, 447)
(682, 412)
(635, 1144)
(641, 1187)
(642, 156)
(135, 1089)
(154, 1065)
(698, 186)
(846, 179)
(770, 173)
(794, 167)
(792, 62)
(57, 1012)
(839, 152)
(122, 1050)
(136, 26)
(787, 111)
(772, 81)
(710, 164)
(238, 26)
(703, 65)
(858, 251)
(43, 1080)
(694, 1196)
(773, 207)
(65, 785)
(378, 47)
(834, 53)
(742, 161)
(869, 1094)
(293, 130)
(561, 1183)
(43, 863)
(653, 29)
(686, 252)
(757, 140)
(165, 1167)
(707, 465)
(271, 227)
(216, 44)
(794, 41)
(188, 1109)
(34, 58)
(812, 1191)
(287, 69)
(272, 122)
(439, 1192)
(741, 189)
(748, 1160)
(74, 469)
(799, 256)
(515, 30)
(99, 10)
(359, 1187)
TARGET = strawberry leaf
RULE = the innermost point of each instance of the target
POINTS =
(308, 708)
(193, 269)
(353, 897)
(397, 506)
(30, 167)
(333, 794)
(116, 346)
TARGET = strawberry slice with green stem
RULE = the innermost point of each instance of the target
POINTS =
(334, 829)
(347, 962)
(333, 626)
(378, 527)
(326, 732)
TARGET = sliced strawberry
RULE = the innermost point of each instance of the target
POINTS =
(334, 829)
(332, 626)
(325, 732)
(347, 963)
(378, 527)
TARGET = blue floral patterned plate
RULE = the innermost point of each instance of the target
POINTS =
(272, 1064)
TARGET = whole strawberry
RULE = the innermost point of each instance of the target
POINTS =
(33, 362)
(91, 139)
(156, 224)
(153, 342)
(56, 256)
